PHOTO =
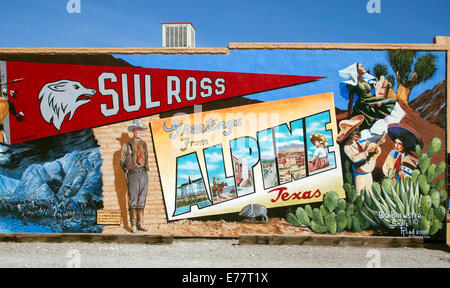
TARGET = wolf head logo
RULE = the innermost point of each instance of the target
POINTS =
(61, 98)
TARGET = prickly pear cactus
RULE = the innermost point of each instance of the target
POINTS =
(330, 221)
(434, 147)
(341, 205)
(424, 163)
(341, 221)
(318, 227)
(302, 216)
(330, 200)
(440, 169)
(435, 198)
(423, 184)
(317, 216)
(293, 220)
(309, 211)
(350, 192)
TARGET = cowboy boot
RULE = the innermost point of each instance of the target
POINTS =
(140, 221)
(133, 213)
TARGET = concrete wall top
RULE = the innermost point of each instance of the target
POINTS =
(440, 43)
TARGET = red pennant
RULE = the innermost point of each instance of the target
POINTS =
(60, 98)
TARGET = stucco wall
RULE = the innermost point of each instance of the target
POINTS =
(115, 192)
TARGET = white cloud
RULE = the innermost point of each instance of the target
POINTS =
(280, 135)
(212, 166)
(265, 137)
(317, 125)
(294, 142)
(188, 165)
(297, 132)
(213, 157)
(267, 155)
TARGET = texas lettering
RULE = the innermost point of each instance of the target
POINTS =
(282, 194)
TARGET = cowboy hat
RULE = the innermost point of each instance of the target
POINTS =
(318, 137)
(123, 138)
(347, 127)
(137, 124)
(405, 134)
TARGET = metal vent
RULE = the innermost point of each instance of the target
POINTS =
(178, 35)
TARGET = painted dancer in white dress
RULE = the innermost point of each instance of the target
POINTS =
(320, 157)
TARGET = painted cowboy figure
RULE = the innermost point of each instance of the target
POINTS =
(401, 159)
(357, 150)
(134, 162)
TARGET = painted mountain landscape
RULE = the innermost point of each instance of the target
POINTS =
(57, 189)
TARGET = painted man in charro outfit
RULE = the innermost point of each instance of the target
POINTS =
(134, 162)
(401, 159)
(357, 150)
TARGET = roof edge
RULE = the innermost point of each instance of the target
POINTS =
(440, 43)
(97, 51)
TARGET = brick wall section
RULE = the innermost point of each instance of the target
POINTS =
(115, 193)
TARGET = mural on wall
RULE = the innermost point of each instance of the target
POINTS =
(376, 133)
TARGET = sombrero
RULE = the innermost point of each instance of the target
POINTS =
(347, 127)
(137, 124)
(318, 137)
(405, 134)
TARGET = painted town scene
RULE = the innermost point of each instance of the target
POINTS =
(191, 188)
(222, 188)
(290, 152)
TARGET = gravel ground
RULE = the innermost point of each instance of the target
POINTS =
(206, 253)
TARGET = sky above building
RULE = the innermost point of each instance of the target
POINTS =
(118, 23)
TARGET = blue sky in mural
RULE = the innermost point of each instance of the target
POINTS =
(215, 165)
(266, 149)
(285, 137)
(187, 166)
(118, 23)
(324, 63)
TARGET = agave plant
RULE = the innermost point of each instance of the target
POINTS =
(416, 201)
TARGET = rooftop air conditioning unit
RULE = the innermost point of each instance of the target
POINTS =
(180, 34)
